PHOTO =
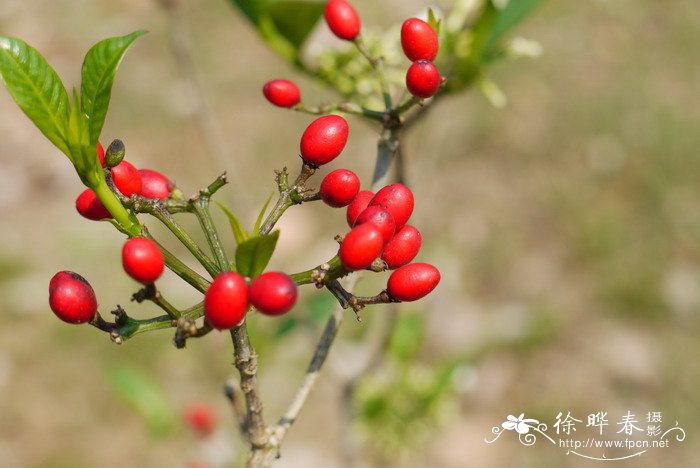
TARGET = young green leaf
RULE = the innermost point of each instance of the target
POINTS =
(36, 88)
(433, 21)
(513, 13)
(258, 221)
(238, 232)
(100, 65)
(253, 255)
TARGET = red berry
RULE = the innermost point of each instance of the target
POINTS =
(339, 188)
(342, 19)
(273, 293)
(418, 40)
(361, 246)
(413, 281)
(142, 260)
(358, 205)
(379, 218)
(324, 139)
(101, 154)
(90, 207)
(226, 300)
(154, 185)
(127, 179)
(282, 93)
(71, 297)
(423, 79)
(201, 418)
(402, 248)
(397, 199)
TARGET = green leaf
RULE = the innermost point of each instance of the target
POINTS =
(139, 391)
(238, 232)
(36, 88)
(258, 222)
(433, 21)
(513, 13)
(286, 326)
(100, 65)
(82, 154)
(253, 255)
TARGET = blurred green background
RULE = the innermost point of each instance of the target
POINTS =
(566, 226)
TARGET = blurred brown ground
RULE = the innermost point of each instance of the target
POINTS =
(566, 226)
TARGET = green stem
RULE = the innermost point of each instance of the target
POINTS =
(332, 270)
(201, 209)
(180, 269)
(387, 146)
(347, 107)
(377, 64)
(126, 220)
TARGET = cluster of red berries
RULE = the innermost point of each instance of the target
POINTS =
(129, 180)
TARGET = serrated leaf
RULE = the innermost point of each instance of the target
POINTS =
(150, 401)
(238, 232)
(433, 21)
(253, 255)
(258, 222)
(36, 88)
(507, 18)
(99, 67)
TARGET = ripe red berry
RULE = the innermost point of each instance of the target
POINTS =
(324, 139)
(101, 153)
(379, 218)
(154, 185)
(342, 19)
(282, 93)
(402, 248)
(142, 260)
(418, 40)
(273, 293)
(226, 300)
(127, 179)
(201, 418)
(358, 205)
(90, 207)
(423, 79)
(72, 298)
(397, 199)
(339, 188)
(413, 281)
(361, 246)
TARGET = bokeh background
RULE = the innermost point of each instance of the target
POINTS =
(566, 226)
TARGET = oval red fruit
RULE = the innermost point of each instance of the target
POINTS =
(226, 301)
(72, 298)
(201, 418)
(379, 218)
(142, 260)
(127, 179)
(282, 93)
(90, 207)
(418, 40)
(423, 79)
(361, 246)
(342, 19)
(324, 139)
(154, 185)
(101, 154)
(397, 199)
(339, 188)
(402, 248)
(358, 205)
(413, 281)
(273, 293)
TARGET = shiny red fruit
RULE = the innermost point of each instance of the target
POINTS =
(423, 79)
(282, 93)
(397, 199)
(361, 246)
(379, 218)
(72, 298)
(90, 207)
(413, 281)
(101, 154)
(342, 19)
(201, 418)
(358, 205)
(127, 179)
(402, 248)
(418, 40)
(339, 188)
(273, 293)
(226, 301)
(154, 185)
(142, 260)
(324, 139)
